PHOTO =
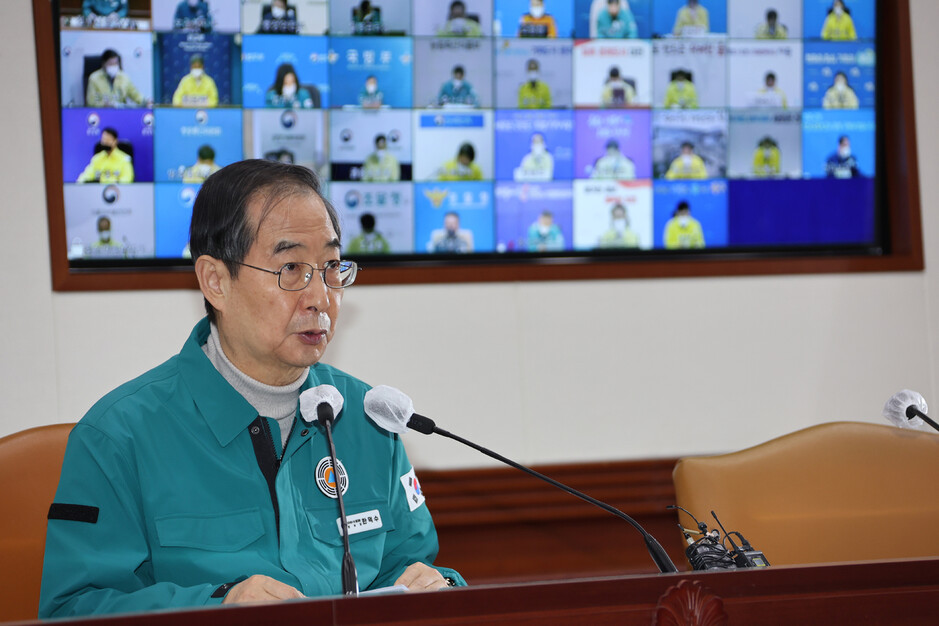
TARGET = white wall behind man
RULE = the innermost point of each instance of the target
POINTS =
(544, 372)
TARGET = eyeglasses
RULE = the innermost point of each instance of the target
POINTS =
(296, 276)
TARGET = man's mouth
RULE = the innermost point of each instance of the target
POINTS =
(312, 337)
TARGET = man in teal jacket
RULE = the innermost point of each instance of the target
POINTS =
(200, 482)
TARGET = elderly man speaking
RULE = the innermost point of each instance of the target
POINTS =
(200, 482)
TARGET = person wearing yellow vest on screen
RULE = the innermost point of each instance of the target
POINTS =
(683, 232)
(462, 167)
(687, 165)
(619, 235)
(110, 164)
(771, 28)
(840, 95)
(839, 26)
(534, 93)
(681, 92)
(196, 89)
(537, 23)
(109, 86)
(692, 20)
(766, 158)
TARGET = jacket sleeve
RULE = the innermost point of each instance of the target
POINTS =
(414, 538)
(97, 557)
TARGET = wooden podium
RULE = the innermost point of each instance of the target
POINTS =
(874, 592)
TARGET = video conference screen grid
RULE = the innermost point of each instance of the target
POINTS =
(444, 127)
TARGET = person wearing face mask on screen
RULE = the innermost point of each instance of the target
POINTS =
(381, 166)
(193, 15)
(371, 97)
(840, 95)
(457, 91)
(288, 93)
(204, 481)
(196, 89)
(619, 235)
(204, 166)
(544, 235)
(109, 86)
(616, 21)
(110, 164)
(839, 25)
(692, 20)
(534, 93)
(537, 23)
(457, 24)
(613, 164)
(536, 166)
(463, 167)
(278, 18)
(687, 165)
(683, 232)
(767, 158)
(842, 163)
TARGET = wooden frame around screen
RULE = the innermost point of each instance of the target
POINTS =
(902, 230)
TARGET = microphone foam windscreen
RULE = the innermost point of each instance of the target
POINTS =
(389, 408)
(895, 409)
(315, 396)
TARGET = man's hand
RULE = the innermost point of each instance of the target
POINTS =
(260, 588)
(420, 577)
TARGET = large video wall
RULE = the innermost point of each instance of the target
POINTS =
(479, 126)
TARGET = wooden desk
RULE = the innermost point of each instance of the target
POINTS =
(881, 592)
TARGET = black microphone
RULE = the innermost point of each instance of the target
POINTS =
(392, 410)
(321, 404)
(907, 409)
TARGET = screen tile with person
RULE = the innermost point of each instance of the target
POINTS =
(533, 217)
(285, 17)
(453, 18)
(534, 146)
(840, 75)
(689, 18)
(109, 221)
(197, 70)
(455, 73)
(377, 218)
(533, 74)
(612, 74)
(613, 215)
(194, 144)
(533, 19)
(839, 144)
(107, 145)
(840, 20)
(689, 74)
(288, 136)
(613, 145)
(106, 69)
(371, 146)
(453, 217)
(370, 72)
(370, 17)
(285, 72)
(689, 145)
(765, 144)
(764, 19)
(453, 146)
(201, 16)
(690, 215)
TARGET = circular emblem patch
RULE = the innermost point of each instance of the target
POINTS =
(326, 477)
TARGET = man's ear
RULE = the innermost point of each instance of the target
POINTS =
(214, 280)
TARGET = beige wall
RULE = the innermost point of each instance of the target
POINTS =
(544, 372)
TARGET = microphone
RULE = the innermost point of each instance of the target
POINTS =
(907, 409)
(321, 405)
(392, 410)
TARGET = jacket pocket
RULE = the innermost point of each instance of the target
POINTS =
(220, 532)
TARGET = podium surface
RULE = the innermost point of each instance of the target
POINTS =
(873, 592)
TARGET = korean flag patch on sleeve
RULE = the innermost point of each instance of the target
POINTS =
(412, 490)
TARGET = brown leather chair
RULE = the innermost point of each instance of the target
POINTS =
(842, 491)
(30, 463)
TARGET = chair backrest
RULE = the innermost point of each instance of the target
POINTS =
(30, 463)
(841, 491)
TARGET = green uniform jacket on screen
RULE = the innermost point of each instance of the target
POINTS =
(163, 497)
